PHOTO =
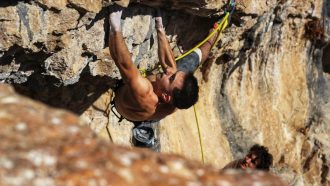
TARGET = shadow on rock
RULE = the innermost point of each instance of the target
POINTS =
(6, 3)
(76, 98)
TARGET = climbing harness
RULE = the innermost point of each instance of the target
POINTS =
(218, 27)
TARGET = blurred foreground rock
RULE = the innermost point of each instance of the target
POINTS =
(42, 146)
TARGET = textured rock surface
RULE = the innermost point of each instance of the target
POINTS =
(267, 81)
(43, 146)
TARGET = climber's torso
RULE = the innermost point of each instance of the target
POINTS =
(141, 107)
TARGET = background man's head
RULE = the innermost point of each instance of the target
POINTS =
(258, 158)
(188, 94)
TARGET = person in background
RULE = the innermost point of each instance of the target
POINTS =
(258, 158)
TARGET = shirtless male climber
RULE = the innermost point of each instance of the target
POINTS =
(156, 96)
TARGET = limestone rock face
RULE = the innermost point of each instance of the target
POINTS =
(266, 82)
(44, 146)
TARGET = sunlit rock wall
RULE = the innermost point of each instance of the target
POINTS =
(266, 82)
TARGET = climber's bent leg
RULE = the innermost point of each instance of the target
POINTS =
(206, 47)
(191, 62)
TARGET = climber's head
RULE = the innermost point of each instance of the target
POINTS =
(178, 87)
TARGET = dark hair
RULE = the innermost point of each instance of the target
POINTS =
(188, 95)
(264, 157)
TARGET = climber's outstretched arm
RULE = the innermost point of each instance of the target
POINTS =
(122, 57)
(165, 53)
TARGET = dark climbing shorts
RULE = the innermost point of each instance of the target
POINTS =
(189, 63)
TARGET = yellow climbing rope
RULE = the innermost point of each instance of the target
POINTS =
(219, 27)
(199, 135)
